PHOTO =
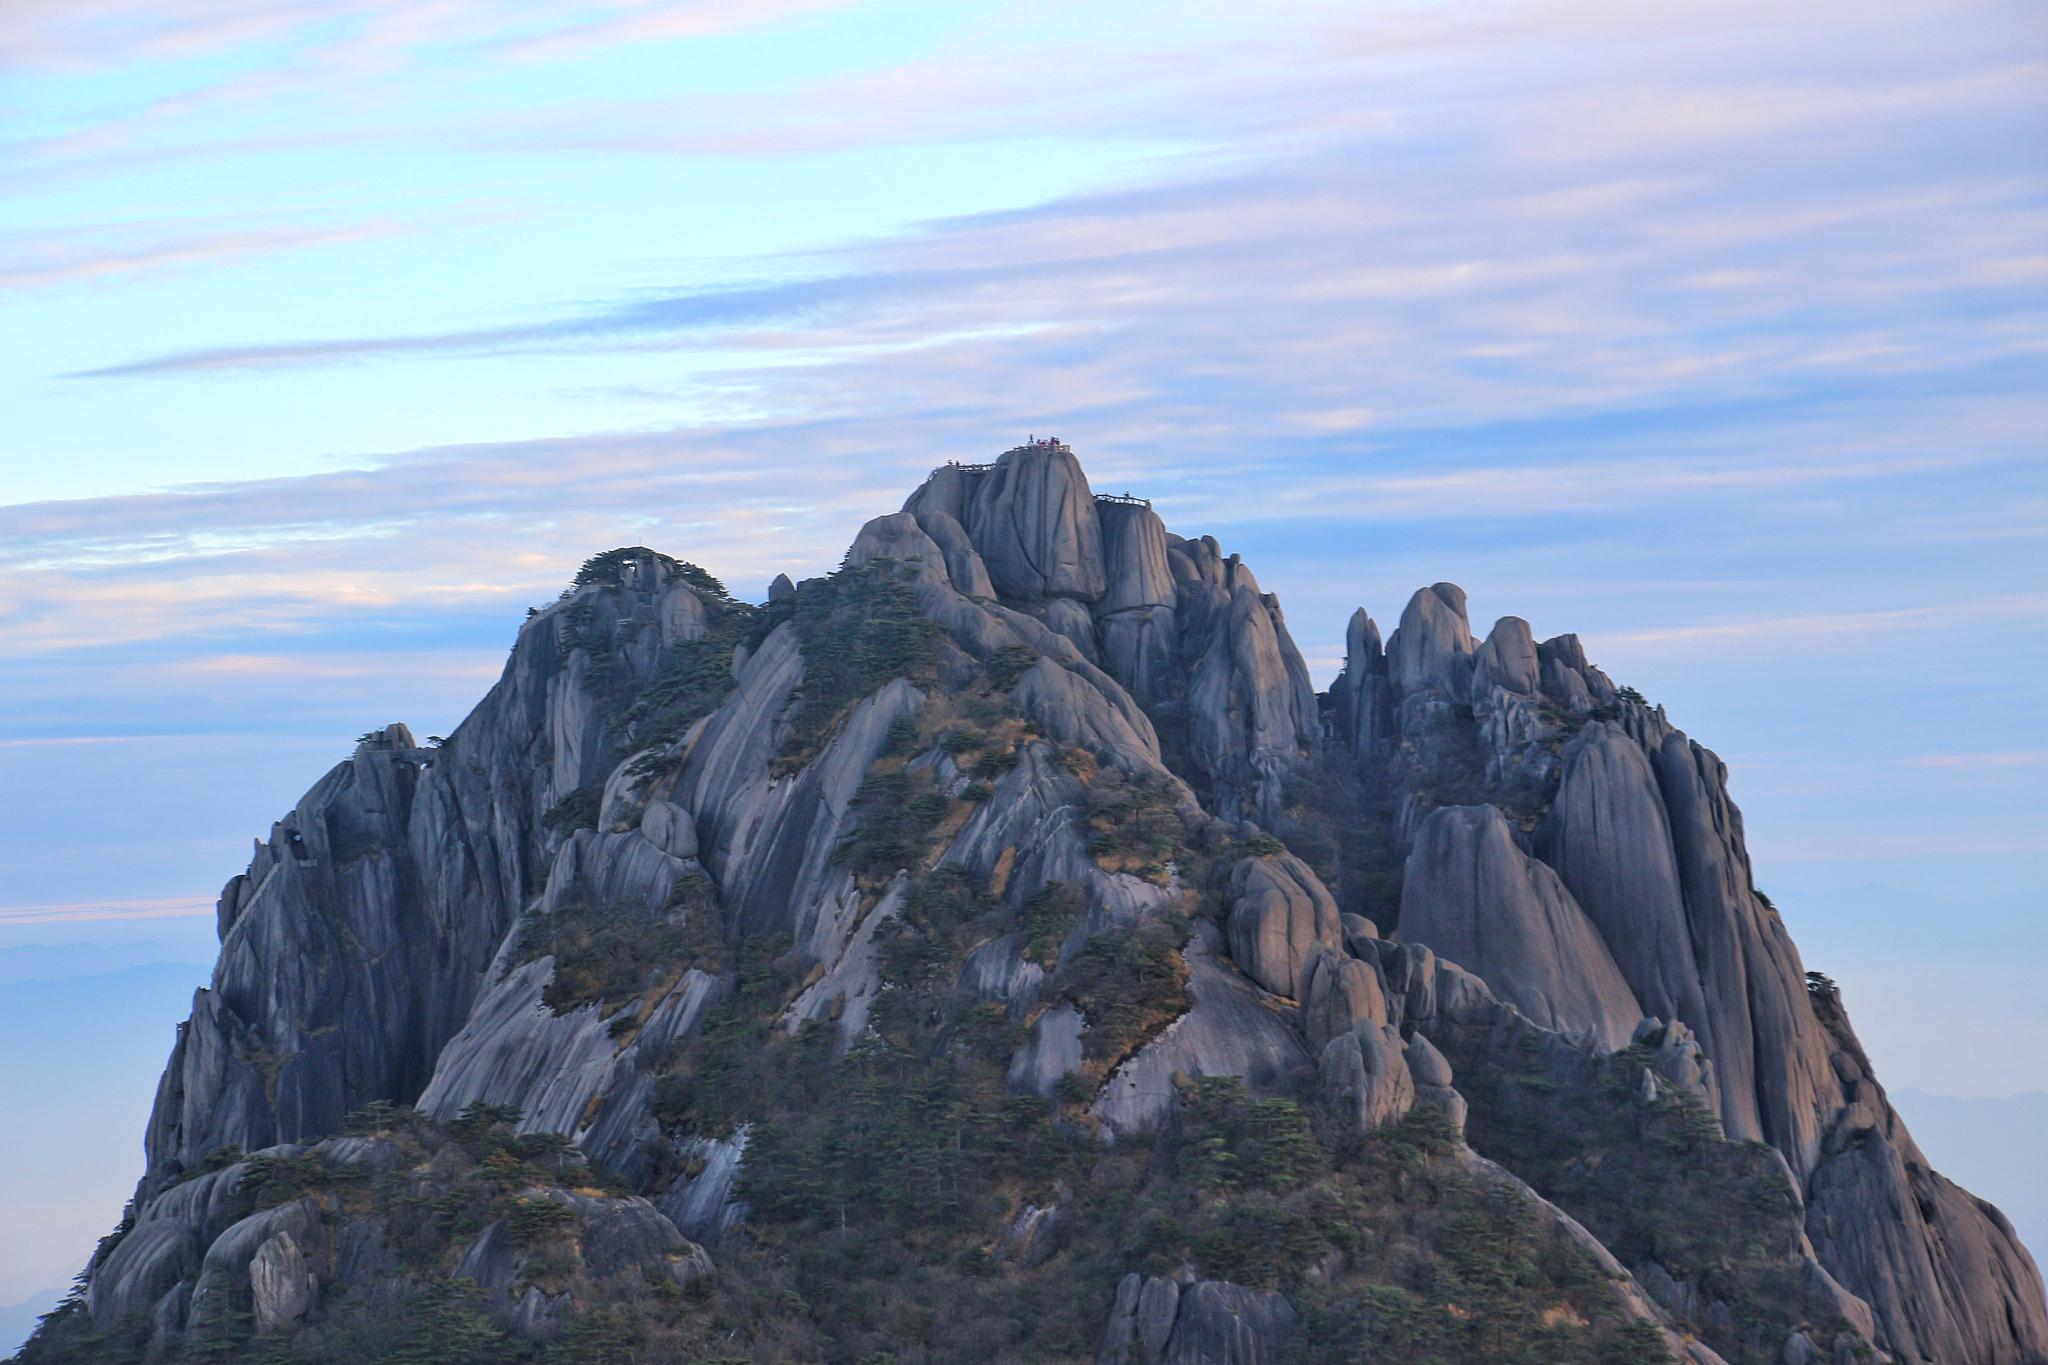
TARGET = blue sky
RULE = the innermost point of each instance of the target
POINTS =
(339, 331)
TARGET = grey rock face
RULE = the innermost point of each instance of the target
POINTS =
(1233, 1030)
(1073, 620)
(614, 870)
(1124, 1340)
(1135, 621)
(613, 1237)
(853, 978)
(1140, 647)
(151, 1259)
(1359, 933)
(1029, 823)
(899, 538)
(356, 942)
(1363, 695)
(228, 1266)
(703, 1205)
(1251, 710)
(1563, 658)
(617, 1235)
(1077, 712)
(514, 1050)
(1800, 1350)
(1156, 1321)
(1771, 1059)
(1054, 1050)
(964, 566)
(1643, 833)
(1610, 841)
(1135, 564)
(1643, 837)
(1426, 1064)
(1034, 1236)
(1475, 898)
(772, 843)
(1678, 1059)
(1432, 648)
(1033, 519)
(997, 970)
(1158, 1307)
(1220, 1323)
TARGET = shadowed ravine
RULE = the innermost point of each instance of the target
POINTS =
(998, 950)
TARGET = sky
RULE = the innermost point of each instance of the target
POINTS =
(335, 333)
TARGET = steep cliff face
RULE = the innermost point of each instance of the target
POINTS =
(966, 954)
(1639, 840)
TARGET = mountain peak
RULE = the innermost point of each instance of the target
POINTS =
(998, 948)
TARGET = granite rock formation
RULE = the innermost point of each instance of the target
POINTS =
(998, 948)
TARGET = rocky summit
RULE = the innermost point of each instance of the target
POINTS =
(998, 950)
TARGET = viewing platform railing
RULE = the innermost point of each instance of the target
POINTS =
(1123, 500)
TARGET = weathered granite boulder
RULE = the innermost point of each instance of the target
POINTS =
(1364, 1077)
(1344, 993)
(1281, 919)
(1507, 660)
(281, 1285)
(1432, 648)
(670, 829)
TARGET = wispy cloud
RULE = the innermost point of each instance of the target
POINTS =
(88, 34)
(64, 741)
(1346, 249)
(73, 257)
(90, 912)
(1821, 630)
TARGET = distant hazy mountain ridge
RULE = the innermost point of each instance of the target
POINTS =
(997, 948)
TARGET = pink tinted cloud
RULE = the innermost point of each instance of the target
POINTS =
(85, 912)
(75, 258)
(71, 35)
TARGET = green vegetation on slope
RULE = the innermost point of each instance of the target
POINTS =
(614, 953)
(860, 629)
(435, 1190)
(1656, 1183)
